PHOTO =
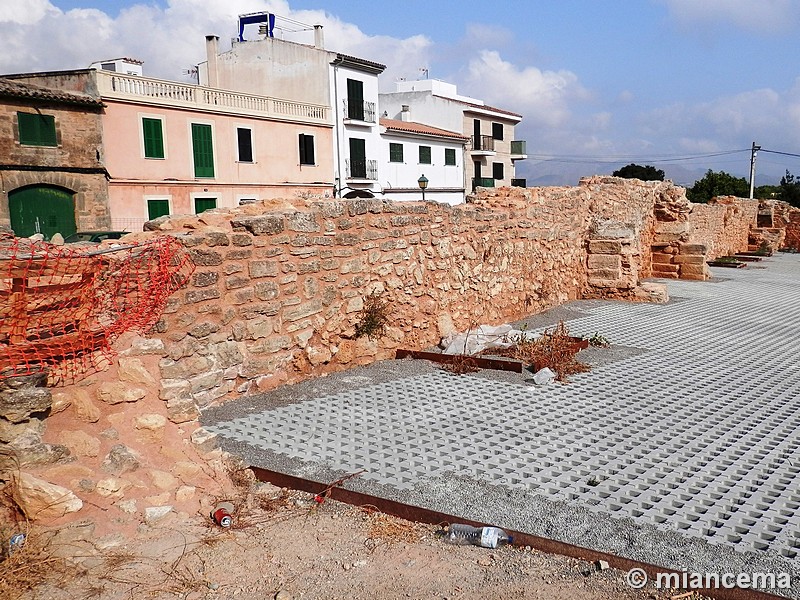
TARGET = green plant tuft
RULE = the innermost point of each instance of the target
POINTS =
(373, 317)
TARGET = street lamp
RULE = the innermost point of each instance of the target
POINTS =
(423, 183)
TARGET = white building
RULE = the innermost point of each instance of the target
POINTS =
(490, 155)
(413, 151)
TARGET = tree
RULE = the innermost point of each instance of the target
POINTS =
(715, 184)
(634, 171)
(790, 189)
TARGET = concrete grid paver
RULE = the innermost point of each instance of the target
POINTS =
(701, 434)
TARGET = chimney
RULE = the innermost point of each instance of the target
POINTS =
(405, 113)
(212, 50)
(319, 39)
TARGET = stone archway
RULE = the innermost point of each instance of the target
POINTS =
(44, 209)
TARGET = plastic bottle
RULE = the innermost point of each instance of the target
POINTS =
(487, 537)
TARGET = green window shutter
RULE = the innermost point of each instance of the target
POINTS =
(355, 99)
(157, 208)
(450, 157)
(203, 149)
(395, 152)
(204, 204)
(36, 129)
(497, 131)
(424, 155)
(497, 170)
(153, 138)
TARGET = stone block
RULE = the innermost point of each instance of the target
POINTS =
(40, 499)
(205, 258)
(116, 392)
(303, 310)
(195, 296)
(85, 409)
(145, 346)
(693, 249)
(266, 290)
(133, 370)
(185, 367)
(205, 278)
(80, 443)
(693, 277)
(693, 269)
(604, 262)
(613, 274)
(263, 268)
(119, 460)
(259, 225)
(662, 257)
(605, 247)
(16, 405)
(690, 259)
(665, 268)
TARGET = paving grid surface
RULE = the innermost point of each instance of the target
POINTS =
(700, 434)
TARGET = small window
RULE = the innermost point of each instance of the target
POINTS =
(153, 135)
(203, 149)
(355, 99)
(497, 170)
(307, 149)
(203, 204)
(244, 140)
(450, 157)
(157, 207)
(497, 131)
(36, 129)
(396, 153)
(424, 155)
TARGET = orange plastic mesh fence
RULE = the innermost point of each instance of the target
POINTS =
(61, 307)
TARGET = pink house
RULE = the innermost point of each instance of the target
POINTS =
(176, 148)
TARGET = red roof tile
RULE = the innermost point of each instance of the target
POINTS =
(15, 89)
(412, 127)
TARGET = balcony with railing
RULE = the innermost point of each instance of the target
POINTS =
(486, 182)
(133, 88)
(359, 111)
(519, 150)
(483, 145)
(361, 169)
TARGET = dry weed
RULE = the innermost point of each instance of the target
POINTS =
(554, 349)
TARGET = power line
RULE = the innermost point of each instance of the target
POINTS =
(588, 159)
(782, 153)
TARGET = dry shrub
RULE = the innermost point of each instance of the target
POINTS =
(554, 349)
(373, 317)
(390, 529)
(460, 365)
(33, 564)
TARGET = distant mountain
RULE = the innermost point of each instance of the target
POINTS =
(546, 173)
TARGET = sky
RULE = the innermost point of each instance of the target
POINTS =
(683, 85)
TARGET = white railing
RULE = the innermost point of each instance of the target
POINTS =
(158, 91)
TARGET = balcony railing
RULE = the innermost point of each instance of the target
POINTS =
(361, 169)
(482, 182)
(359, 111)
(482, 143)
(183, 95)
(519, 183)
(519, 147)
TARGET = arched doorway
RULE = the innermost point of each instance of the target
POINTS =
(42, 209)
(359, 194)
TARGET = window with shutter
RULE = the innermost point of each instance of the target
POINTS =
(497, 131)
(424, 155)
(204, 204)
(157, 207)
(396, 153)
(36, 129)
(306, 143)
(244, 139)
(203, 149)
(450, 157)
(355, 99)
(497, 170)
(153, 134)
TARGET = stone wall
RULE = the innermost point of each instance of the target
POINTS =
(723, 225)
(787, 218)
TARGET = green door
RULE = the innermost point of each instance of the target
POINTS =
(42, 209)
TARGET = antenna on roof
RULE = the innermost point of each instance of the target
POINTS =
(424, 71)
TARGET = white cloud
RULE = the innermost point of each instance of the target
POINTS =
(38, 36)
(24, 12)
(768, 16)
(541, 96)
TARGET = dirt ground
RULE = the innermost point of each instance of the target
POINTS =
(285, 545)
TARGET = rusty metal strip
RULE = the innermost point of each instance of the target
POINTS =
(424, 515)
(480, 362)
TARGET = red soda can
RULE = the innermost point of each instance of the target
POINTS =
(221, 515)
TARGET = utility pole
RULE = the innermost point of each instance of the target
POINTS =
(753, 152)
